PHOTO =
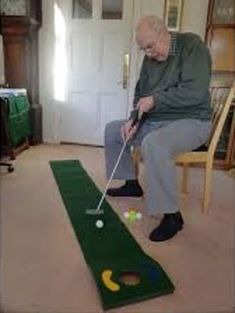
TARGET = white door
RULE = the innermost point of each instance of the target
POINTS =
(98, 78)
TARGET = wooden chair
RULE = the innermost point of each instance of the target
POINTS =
(221, 99)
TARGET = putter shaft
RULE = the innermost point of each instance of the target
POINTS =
(111, 176)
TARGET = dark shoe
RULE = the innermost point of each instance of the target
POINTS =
(168, 228)
(131, 188)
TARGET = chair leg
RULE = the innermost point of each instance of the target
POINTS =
(207, 185)
(184, 183)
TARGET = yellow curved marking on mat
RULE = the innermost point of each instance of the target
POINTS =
(109, 283)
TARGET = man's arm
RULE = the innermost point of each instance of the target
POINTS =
(193, 85)
(139, 88)
(138, 94)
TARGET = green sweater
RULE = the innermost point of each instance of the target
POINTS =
(180, 84)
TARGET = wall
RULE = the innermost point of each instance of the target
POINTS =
(46, 75)
(194, 16)
(193, 19)
(2, 78)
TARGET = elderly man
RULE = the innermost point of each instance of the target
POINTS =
(172, 91)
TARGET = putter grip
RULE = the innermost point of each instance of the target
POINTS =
(136, 117)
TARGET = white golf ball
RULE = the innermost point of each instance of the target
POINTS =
(138, 216)
(99, 224)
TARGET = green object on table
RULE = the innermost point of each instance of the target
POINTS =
(111, 247)
(18, 118)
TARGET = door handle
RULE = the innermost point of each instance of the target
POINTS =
(126, 70)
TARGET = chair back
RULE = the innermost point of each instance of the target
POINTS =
(221, 100)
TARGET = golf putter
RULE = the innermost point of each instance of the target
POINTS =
(136, 119)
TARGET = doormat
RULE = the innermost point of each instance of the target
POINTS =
(111, 252)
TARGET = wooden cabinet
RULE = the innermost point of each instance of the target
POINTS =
(20, 22)
(220, 38)
(220, 34)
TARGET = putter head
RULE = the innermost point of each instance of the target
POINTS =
(94, 212)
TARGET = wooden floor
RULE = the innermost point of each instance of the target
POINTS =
(42, 266)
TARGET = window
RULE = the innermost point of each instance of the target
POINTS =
(82, 9)
(112, 9)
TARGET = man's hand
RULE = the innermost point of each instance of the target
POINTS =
(145, 104)
(128, 131)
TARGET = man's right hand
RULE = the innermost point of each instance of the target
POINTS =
(128, 131)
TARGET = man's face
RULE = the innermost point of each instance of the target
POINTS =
(154, 45)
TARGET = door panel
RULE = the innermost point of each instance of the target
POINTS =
(96, 94)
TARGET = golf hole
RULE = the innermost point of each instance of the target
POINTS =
(130, 278)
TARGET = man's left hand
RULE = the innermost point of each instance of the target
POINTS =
(145, 104)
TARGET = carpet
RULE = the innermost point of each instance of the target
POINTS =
(231, 173)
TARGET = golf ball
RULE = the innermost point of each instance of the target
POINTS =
(99, 224)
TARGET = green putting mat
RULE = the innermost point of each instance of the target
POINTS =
(110, 251)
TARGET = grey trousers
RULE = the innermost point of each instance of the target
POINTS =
(160, 142)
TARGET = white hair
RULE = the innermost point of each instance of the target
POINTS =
(153, 22)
